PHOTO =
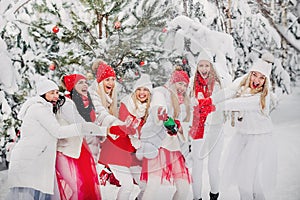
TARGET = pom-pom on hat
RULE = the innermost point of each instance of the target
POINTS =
(104, 71)
(69, 81)
(179, 75)
(262, 66)
(205, 55)
(45, 85)
(143, 81)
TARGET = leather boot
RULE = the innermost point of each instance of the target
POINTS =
(213, 196)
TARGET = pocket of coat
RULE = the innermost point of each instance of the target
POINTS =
(28, 152)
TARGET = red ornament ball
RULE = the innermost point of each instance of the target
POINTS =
(117, 25)
(55, 29)
(52, 67)
(142, 63)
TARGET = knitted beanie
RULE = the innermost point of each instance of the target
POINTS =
(45, 85)
(143, 81)
(70, 81)
(179, 76)
(104, 71)
(262, 66)
(205, 55)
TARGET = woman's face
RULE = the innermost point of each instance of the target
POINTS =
(181, 87)
(142, 94)
(109, 84)
(82, 87)
(204, 68)
(257, 80)
(52, 96)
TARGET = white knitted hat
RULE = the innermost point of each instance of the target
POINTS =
(205, 55)
(45, 85)
(143, 81)
(262, 66)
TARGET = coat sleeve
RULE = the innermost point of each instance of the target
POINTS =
(249, 103)
(49, 122)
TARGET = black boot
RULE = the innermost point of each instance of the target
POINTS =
(213, 196)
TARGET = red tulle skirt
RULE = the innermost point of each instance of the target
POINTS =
(77, 179)
(169, 165)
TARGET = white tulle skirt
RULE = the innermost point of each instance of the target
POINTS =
(251, 163)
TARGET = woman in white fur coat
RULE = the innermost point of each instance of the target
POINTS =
(31, 174)
(160, 148)
(251, 159)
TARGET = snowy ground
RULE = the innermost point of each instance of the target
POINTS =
(286, 120)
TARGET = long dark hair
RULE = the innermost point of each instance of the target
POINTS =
(84, 112)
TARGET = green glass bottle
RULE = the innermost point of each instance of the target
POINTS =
(171, 125)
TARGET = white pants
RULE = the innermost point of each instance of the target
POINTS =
(213, 155)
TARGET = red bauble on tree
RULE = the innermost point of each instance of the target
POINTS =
(117, 25)
(52, 66)
(142, 63)
(55, 29)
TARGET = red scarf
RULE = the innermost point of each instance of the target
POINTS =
(86, 103)
(205, 86)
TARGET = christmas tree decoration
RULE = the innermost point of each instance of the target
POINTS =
(162, 37)
(55, 29)
(52, 66)
(117, 25)
(142, 63)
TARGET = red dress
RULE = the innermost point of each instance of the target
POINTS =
(120, 151)
(77, 178)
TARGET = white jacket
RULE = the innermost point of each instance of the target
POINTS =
(32, 163)
(68, 114)
(252, 119)
(153, 133)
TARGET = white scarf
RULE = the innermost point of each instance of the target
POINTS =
(138, 112)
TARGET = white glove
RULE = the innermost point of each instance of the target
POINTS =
(136, 143)
(89, 128)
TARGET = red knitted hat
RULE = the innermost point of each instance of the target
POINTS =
(104, 71)
(180, 76)
(71, 80)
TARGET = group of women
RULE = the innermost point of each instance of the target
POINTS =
(142, 142)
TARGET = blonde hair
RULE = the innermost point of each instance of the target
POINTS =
(245, 86)
(176, 105)
(135, 100)
(112, 108)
